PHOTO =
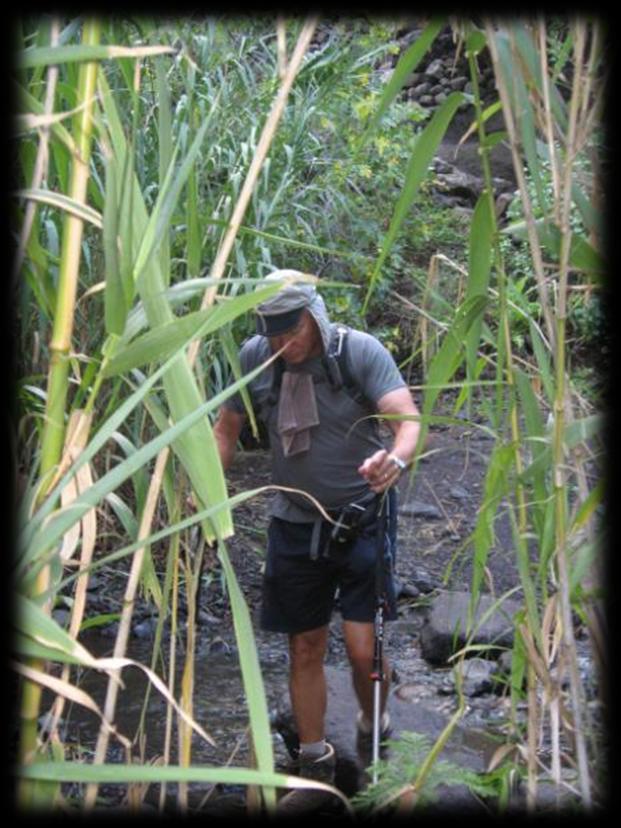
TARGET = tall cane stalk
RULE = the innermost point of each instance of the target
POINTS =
(569, 133)
(58, 376)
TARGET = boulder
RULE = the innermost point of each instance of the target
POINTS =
(445, 628)
(461, 185)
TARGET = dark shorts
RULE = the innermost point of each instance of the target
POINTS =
(299, 592)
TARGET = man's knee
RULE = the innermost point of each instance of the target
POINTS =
(359, 641)
(307, 649)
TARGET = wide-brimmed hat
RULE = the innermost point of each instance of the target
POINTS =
(282, 312)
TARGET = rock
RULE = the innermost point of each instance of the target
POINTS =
(205, 617)
(416, 508)
(435, 69)
(145, 628)
(404, 590)
(220, 647)
(423, 581)
(477, 677)
(456, 84)
(459, 493)
(461, 185)
(412, 79)
(422, 89)
(445, 629)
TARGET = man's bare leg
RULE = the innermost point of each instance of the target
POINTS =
(307, 683)
(359, 640)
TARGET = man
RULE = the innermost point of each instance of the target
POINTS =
(323, 442)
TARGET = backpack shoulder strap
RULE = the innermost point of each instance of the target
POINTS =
(337, 365)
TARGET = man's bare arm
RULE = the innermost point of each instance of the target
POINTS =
(380, 469)
(227, 429)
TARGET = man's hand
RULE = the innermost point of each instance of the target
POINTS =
(380, 471)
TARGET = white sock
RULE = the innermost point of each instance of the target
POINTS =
(366, 726)
(313, 749)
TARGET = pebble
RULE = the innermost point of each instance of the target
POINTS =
(459, 493)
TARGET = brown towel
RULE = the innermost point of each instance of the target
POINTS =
(297, 412)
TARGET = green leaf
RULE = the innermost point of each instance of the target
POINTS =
(35, 624)
(251, 669)
(475, 43)
(110, 774)
(197, 449)
(63, 202)
(158, 343)
(38, 540)
(594, 499)
(536, 442)
(46, 55)
(495, 488)
(115, 304)
(582, 255)
(452, 350)
(101, 620)
(479, 265)
(522, 111)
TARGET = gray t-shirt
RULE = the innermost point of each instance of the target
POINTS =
(343, 439)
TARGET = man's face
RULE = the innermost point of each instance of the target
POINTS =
(300, 343)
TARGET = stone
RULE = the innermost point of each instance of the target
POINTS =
(460, 184)
(412, 79)
(435, 69)
(444, 631)
(422, 89)
(477, 677)
(423, 581)
(416, 508)
(458, 83)
(458, 492)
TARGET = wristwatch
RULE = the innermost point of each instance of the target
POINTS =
(398, 462)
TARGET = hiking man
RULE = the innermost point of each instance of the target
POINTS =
(316, 406)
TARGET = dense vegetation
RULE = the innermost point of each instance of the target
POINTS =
(166, 166)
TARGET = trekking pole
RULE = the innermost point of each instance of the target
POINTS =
(378, 624)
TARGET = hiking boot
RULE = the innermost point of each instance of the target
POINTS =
(364, 739)
(302, 801)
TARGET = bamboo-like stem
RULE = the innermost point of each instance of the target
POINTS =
(120, 645)
(515, 143)
(281, 45)
(174, 614)
(508, 368)
(40, 167)
(267, 136)
(192, 575)
(60, 345)
(559, 482)
(579, 116)
(532, 726)
(508, 375)
(54, 428)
